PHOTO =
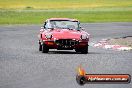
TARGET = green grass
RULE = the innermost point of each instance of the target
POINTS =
(36, 11)
(62, 4)
(28, 17)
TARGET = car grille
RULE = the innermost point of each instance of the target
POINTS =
(66, 42)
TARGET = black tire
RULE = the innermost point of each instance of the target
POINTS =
(77, 50)
(40, 47)
(45, 48)
(84, 50)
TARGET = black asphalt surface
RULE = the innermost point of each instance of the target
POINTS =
(23, 66)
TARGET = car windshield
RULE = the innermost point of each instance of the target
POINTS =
(64, 24)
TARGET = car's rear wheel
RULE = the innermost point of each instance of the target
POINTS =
(45, 48)
(84, 50)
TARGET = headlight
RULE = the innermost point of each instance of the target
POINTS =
(48, 36)
(84, 36)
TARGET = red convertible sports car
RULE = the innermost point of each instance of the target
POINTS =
(63, 34)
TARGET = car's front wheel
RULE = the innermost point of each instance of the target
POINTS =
(45, 48)
(40, 47)
(77, 50)
(84, 50)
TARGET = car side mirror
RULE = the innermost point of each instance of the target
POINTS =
(83, 29)
(42, 29)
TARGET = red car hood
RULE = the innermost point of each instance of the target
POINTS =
(66, 34)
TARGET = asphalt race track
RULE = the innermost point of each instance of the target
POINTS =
(23, 66)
